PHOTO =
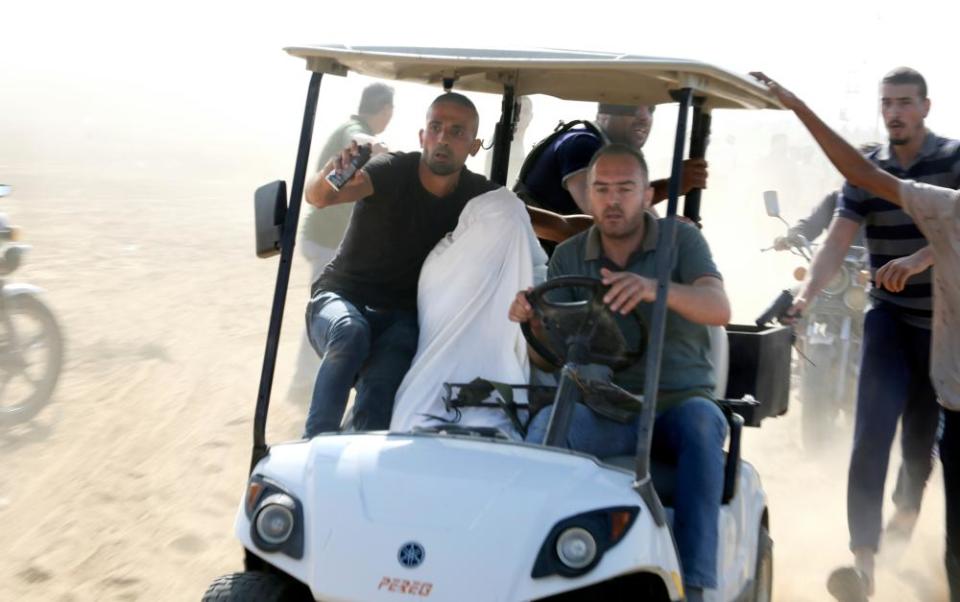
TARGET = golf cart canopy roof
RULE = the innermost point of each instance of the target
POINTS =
(565, 74)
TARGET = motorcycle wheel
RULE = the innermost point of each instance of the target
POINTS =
(31, 357)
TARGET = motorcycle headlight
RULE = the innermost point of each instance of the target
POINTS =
(838, 283)
(855, 298)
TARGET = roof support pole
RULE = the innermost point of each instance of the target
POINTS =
(503, 136)
(665, 259)
(699, 139)
(287, 241)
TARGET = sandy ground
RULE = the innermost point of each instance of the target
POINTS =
(126, 486)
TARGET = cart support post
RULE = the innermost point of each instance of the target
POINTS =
(665, 257)
(503, 137)
(699, 139)
(287, 242)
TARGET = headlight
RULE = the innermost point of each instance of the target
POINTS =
(576, 548)
(274, 522)
(838, 283)
(855, 298)
(577, 544)
(276, 517)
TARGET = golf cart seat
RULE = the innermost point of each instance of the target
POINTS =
(665, 473)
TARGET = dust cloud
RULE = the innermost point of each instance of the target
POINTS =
(126, 486)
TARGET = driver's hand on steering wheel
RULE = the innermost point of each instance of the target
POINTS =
(627, 290)
(521, 310)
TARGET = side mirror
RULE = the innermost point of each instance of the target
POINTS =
(270, 211)
(771, 202)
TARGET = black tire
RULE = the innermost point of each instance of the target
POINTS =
(763, 573)
(17, 363)
(255, 586)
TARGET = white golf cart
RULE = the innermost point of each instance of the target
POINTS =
(459, 513)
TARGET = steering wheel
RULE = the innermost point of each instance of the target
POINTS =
(590, 321)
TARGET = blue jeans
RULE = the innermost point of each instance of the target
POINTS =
(894, 386)
(950, 457)
(691, 435)
(370, 347)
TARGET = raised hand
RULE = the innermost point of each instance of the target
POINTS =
(787, 98)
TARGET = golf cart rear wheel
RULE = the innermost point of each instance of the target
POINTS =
(255, 586)
(763, 576)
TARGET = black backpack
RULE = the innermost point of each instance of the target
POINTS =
(533, 156)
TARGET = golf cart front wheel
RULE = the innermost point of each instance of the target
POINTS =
(763, 576)
(255, 586)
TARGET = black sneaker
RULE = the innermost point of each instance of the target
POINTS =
(847, 584)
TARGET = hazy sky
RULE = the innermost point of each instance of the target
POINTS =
(165, 69)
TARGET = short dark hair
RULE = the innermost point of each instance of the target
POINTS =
(620, 150)
(459, 100)
(374, 98)
(605, 108)
(906, 75)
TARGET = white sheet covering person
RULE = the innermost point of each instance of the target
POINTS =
(466, 286)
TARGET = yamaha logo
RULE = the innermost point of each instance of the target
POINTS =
(411, 555)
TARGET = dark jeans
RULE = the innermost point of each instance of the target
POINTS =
(368, 346)
(950, 457)
(690, 434)
(894, 385)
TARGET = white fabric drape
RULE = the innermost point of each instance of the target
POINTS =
(466, 287)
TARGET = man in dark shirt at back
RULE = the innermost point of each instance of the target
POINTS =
(813, 225)
(557, 181)
(362, 317)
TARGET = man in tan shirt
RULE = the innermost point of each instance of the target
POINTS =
(936, 212)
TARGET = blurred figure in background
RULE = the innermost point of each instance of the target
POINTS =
(322, 230)
(814, 224)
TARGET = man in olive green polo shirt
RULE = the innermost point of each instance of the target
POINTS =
(620, 249)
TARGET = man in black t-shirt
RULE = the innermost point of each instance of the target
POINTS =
(362, 317)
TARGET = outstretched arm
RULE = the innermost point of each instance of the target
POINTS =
(855, 167)
(702, 302)
(694, 176)
(319, 192)
(555, 227)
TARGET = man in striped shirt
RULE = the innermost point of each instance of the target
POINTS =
(894, 375)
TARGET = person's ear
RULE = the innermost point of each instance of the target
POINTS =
(475, 147)
(421, 139)
(926, 107)
(648, 197)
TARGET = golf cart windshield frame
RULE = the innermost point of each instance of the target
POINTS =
(510, 73)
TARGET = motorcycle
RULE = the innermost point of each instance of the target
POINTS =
(828, 338)
(31, 342)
